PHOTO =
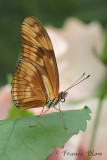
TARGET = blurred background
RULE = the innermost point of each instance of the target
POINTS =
(12, 13)
(78, 30)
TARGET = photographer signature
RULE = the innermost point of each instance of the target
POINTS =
(88, 153)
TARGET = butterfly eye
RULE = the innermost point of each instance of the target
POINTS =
(63, 100)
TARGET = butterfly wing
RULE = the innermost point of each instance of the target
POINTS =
(36, 77)
(27, 87)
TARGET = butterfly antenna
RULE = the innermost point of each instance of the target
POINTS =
(76, 82)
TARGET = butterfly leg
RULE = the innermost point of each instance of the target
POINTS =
(61, 115)
(40, 113)
(40, 118)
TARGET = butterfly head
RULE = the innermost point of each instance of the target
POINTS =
(62, 96)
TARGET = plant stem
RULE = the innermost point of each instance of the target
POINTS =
(95, 127)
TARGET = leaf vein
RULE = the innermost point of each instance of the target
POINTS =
(3, 152)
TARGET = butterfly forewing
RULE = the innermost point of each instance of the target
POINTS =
(36, 77)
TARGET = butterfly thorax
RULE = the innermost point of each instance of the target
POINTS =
(56, 100)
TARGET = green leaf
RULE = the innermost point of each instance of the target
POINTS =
(20, 142)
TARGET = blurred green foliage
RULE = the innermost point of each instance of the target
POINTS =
(102, 91)
(104, 54)
(14, 112)
(54, 12)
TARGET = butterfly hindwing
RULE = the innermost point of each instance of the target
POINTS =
(27, 86)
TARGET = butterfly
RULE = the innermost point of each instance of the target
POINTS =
(36, 81)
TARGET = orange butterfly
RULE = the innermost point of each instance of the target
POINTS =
(36, 81)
